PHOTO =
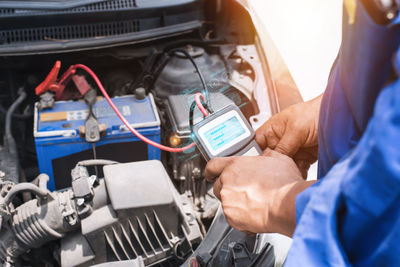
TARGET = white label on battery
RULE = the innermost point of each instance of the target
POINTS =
(252, 152)
(76, 115)
(103, 112)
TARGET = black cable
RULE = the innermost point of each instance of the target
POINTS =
(16, 116)
(8, 134)
(203, 81)
(160, 66)
(9, 140)
(191, 111)
(146, 71)
(157, 70)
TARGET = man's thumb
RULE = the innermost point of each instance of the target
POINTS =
(288, 145)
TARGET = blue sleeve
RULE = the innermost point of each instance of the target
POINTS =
(352, 215)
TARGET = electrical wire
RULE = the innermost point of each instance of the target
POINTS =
(198, 97)
(193, 262)
(15, 115)
(9, 139)
(161, 63)
(202, 106)
(8, 133)
(191, 111)
(199, 73)
(125, 121)
(166, 56)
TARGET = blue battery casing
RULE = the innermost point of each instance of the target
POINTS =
(59, 145)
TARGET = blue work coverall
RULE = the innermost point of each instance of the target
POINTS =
(351, 216)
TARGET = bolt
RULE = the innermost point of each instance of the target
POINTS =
(237, 248)
(175, 240)
(196, 172)
(80, 201)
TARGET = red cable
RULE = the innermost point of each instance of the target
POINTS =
(125, 121)
(199, 104)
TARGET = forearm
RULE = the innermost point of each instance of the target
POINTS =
(282, 216)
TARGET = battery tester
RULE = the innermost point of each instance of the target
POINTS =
(225, 133)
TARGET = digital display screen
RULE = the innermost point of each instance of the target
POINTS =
(224, 133)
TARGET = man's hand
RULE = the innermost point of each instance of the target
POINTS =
(257, 193)
(293, 132)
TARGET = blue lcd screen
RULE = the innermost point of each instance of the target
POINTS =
(224, 133)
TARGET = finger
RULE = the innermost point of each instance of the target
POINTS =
(303, 167)
(309, 154)
(274, 135)
(304, 158)
(217, 188)
(274, 154)
(270, 153)
(249, 233)
(215, 167)
(229, 220)
(261, 136)
(288, 145)
(266, 136)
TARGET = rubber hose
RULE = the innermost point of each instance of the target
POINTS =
(24, 187)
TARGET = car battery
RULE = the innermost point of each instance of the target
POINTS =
(60, 146)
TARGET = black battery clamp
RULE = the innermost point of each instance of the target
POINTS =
(225, 133)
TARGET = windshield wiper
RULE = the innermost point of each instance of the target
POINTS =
(48, 5)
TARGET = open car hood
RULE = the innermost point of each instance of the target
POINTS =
(66, 4)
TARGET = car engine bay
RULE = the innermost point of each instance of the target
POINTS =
(77, 188)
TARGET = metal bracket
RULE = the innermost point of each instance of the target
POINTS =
(260, 90)
(92, 130)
